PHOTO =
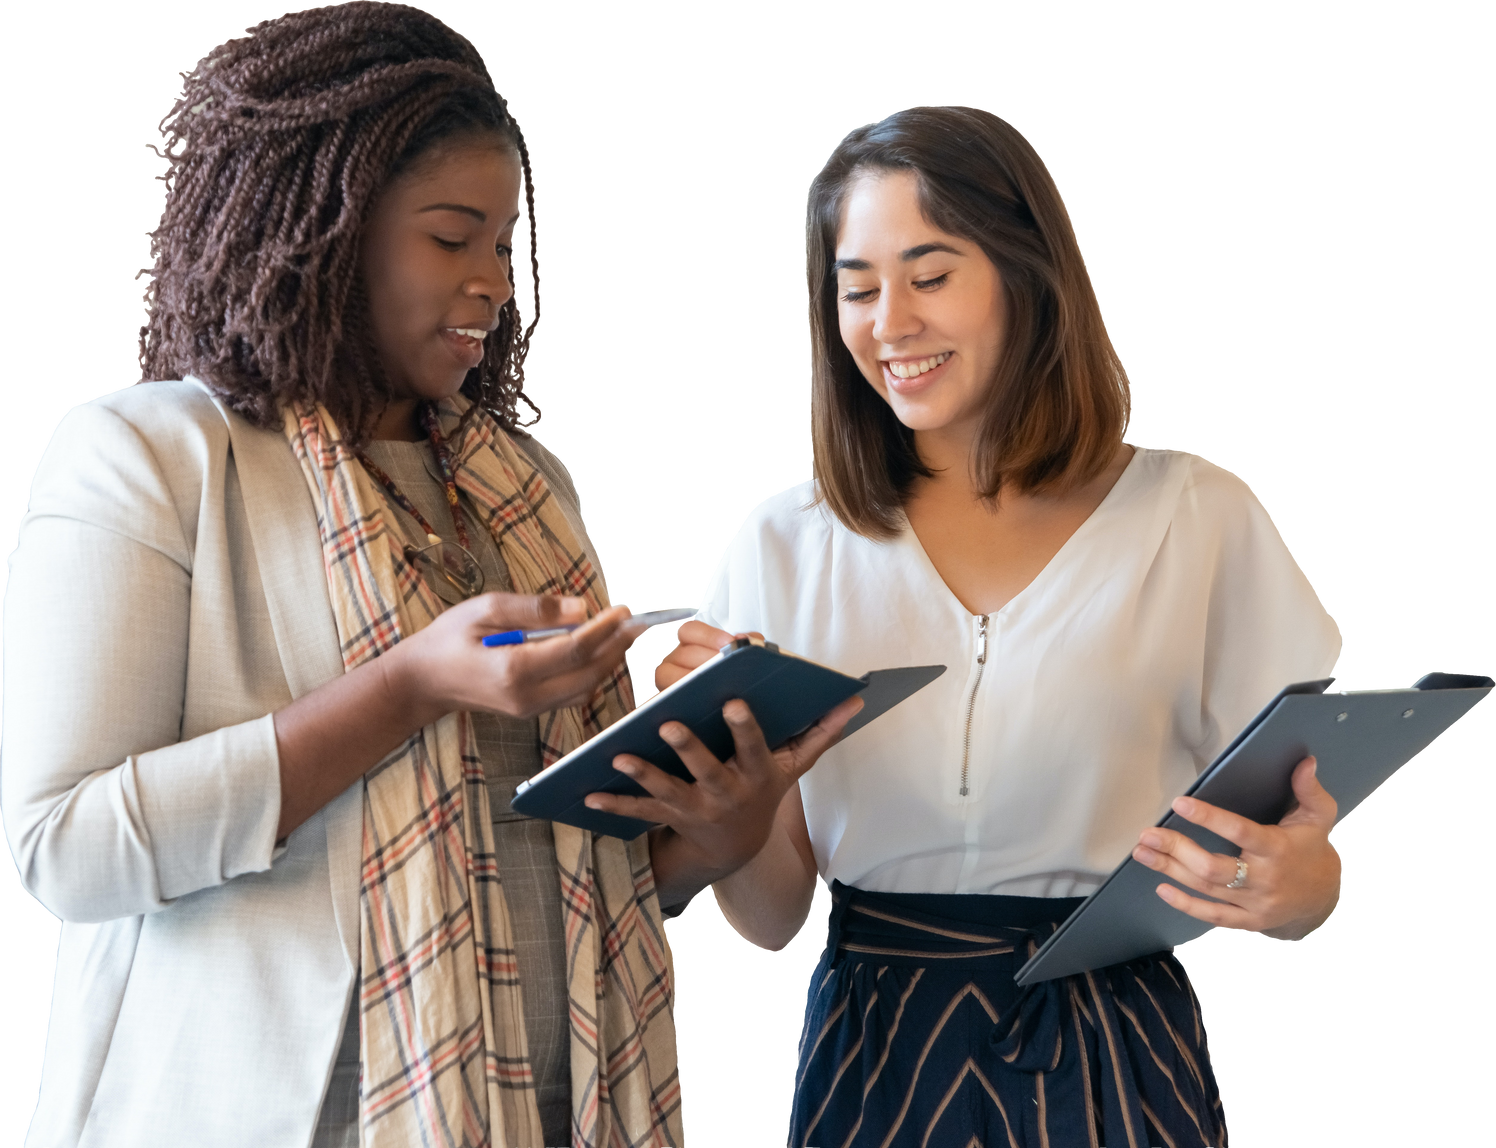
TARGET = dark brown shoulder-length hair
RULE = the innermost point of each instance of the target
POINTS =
(277, 150)
(1058, 403)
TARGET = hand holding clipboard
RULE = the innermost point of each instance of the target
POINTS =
(1358, 739)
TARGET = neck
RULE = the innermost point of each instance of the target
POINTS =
(400, 422)
(946, 451)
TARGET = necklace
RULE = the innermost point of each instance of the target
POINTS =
(449, 567)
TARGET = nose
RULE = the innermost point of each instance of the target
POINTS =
(895, 315)
(490, 281)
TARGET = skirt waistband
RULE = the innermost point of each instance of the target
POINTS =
(939, 928)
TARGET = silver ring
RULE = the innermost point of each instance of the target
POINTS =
(1241, 875)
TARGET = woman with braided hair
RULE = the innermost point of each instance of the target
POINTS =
(257, 757)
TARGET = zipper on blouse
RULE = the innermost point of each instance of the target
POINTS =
(971, 702)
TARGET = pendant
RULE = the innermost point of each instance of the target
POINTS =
(451, 572)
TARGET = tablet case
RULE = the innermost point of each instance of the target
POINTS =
(1359, 740)
(787, 695)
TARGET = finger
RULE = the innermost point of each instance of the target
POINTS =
(578, 688)
(628, 805)
(689, 657)
(698, 760)
(751, 755)
(1316, 806)
(1235, 829)
(602, 639)
(556, 673)
(1185, 861)
(597, 631)
(500, 611)
(698, 633)
(666, 675)
(679, 662)
(664, 787)
(1219, 913)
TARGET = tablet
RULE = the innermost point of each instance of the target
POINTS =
(787, 695)
(1358, 739)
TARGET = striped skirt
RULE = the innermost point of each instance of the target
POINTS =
(915, 1036)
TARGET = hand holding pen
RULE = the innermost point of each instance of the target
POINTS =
(639, 622)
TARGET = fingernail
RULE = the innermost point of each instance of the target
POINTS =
(592, 803)
(1184, 806)
(1152, 840)
(735, 711)
(672, 733)
(623, 765)
(1144, 855)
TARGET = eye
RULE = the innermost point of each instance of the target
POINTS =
(448, 244)
(504, 250)
(859, 296)
(931, 284)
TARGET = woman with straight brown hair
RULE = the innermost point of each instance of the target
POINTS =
(1110, 617)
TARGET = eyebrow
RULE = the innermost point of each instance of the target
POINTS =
(480, 216)
(906, 256)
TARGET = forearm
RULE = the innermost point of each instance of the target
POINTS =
(768, 899)
(333, 735)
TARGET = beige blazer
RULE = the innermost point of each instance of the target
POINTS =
(168, 596)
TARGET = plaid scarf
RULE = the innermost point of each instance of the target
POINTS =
(441, 1012)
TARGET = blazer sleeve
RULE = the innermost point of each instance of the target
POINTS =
(108, 813)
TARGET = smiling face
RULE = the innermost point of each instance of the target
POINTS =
(921, 311)
(436, 267)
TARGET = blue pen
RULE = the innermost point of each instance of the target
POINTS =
(515, 637)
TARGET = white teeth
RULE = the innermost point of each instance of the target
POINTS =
(911, 370)
(469, 332)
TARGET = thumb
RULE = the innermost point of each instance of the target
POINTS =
(1315, 802)
(530, 611)
(808, 747)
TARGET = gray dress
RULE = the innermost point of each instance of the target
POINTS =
(510, 749)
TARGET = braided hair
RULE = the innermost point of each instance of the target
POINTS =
(276, 151)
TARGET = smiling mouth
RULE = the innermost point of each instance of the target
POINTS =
(911, 370)
(466, 344)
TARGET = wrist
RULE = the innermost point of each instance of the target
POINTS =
(405, 687)
(681, 870)
(1298, 929)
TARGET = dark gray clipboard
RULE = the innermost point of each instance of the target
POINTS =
(1359, 740)
(787, 695)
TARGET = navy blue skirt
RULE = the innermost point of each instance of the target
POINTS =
(916, 1036)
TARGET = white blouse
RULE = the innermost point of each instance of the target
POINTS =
(1066, 721)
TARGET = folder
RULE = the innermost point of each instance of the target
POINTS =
(787, 695)
(1359, 740)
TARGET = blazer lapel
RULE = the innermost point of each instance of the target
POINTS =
(288, 550)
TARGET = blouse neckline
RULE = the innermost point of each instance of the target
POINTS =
(1056, 561)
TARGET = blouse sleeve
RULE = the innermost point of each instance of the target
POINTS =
(108, 812)
(736, 599)
(1265, 626)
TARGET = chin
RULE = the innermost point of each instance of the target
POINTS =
(435, 390)
(922, 417)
